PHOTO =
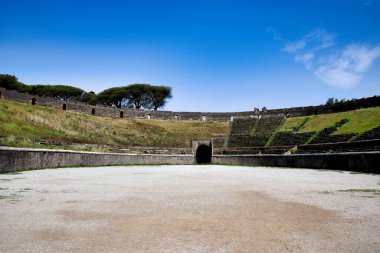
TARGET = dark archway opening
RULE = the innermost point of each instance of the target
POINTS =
(203, 154)
(121, 114)
(64, 107)
(1, 94)
(93, 111)
(33, 101)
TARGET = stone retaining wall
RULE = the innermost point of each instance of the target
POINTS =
(353, 146)
(353, 161)
(13, 159)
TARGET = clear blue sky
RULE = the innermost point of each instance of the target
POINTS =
(217, 55)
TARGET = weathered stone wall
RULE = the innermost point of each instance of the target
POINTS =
(358, 161)
(353, 146)
(13, 159)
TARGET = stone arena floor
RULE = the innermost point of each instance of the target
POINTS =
(206, 208)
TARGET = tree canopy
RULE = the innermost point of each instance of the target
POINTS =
(89, 98)
(132, 96)
(333, 101)
(61, 92)
(136, 96)
(159, 95)
(115, 96)
(10, 82)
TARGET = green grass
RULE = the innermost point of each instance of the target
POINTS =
(273, 136)
(325, 192)
(21, 124)
(291, 123)
(359, 121)
(364, 173)
(374, 191)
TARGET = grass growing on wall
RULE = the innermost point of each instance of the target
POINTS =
(359, 121)
(291, 123)
(20, 122)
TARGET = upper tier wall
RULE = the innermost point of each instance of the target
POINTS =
(109, 111)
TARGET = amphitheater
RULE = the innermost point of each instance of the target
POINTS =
(267, 182)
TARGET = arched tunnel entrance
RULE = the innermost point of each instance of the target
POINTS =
(203, 154)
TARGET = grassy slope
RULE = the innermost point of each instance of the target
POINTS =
(20, 122)
(359, 121)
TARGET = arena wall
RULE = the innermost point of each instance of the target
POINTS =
(14, 159)
(351, 161)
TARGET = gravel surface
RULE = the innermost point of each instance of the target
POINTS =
(189, 209)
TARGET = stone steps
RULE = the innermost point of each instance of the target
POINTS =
(291, 139)
(369, 135)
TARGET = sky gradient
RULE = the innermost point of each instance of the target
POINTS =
(216, 55)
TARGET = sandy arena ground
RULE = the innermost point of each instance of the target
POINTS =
(189, 209)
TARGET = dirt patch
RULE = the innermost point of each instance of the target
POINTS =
(246, 221)
(72, 201)
(74, 215)
(52, 234)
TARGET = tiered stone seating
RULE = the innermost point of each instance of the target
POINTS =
(241, 150)
(250, 136)
(241, 141)
(275, 150)
(325, 136)
(354, 146)
(264, 130)
(291, 139)
(240, 132)
(257, 150)
(370, 135)
(339, 138)
(242, 126)
(241, 129)
(218, 143)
